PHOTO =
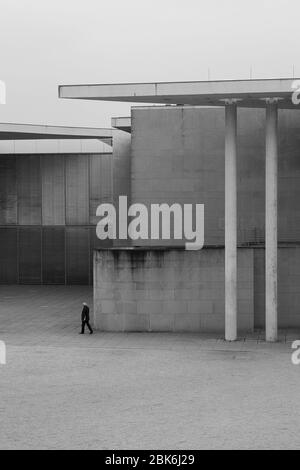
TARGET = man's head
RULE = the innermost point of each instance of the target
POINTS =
(84, 304)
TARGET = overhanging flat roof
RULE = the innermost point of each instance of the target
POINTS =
(122, 123)
(54, 146)
(10, 131)
(251, 93)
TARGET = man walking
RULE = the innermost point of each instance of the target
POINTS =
(85, 319)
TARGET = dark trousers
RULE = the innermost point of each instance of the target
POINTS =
(86, 323)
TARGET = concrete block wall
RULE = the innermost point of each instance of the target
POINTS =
(168, 290)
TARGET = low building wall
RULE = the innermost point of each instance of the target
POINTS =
(168, 290)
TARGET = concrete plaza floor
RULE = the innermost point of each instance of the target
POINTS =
(60, 390)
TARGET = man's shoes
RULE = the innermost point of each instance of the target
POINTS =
(91, 332)
(81, 333)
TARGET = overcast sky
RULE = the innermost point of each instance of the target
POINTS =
(44, 43)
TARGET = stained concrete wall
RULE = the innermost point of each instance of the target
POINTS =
(168, 290)
(48, 215)
(178, 156)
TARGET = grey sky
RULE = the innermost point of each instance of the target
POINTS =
(45, 43)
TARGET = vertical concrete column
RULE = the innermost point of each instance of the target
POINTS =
(231, 220)
(271, 218)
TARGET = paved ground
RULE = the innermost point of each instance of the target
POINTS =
(60, 390)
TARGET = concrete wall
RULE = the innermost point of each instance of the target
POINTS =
(178, 156)
(168, 290)
(48, 216)
(288, 287)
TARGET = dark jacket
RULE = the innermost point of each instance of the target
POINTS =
(85, 316)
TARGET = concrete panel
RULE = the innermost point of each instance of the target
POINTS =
(178, 157)
(29, 190)
(8, 256)
(53, 255)
(251, 176)
(101, 183)
(77, 189)
(53, 189)
(30, 268)
(77, 255)
(8, 190)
